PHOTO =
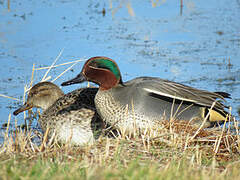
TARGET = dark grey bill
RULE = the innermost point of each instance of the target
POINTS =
(79, 79)
(22, 108)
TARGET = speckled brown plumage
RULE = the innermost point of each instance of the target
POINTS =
(70, 118)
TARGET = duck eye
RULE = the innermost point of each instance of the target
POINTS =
(99, 65)
(94, 64)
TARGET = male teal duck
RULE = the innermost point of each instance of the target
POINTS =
(71, 118)
(144, 101)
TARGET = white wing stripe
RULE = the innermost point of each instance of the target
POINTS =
(168, 95)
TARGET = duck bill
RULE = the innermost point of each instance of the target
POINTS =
(22, 108)
(79, 79)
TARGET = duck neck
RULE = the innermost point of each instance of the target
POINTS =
(45, 106)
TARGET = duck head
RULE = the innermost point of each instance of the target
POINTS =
(41, 95)
(100, 70)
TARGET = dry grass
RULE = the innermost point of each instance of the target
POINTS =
(172, 151)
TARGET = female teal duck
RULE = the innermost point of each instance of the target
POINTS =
(71, 118)
(144, 101)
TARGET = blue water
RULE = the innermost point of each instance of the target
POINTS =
(200, 48)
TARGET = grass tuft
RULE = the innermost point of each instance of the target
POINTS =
(172, 154)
